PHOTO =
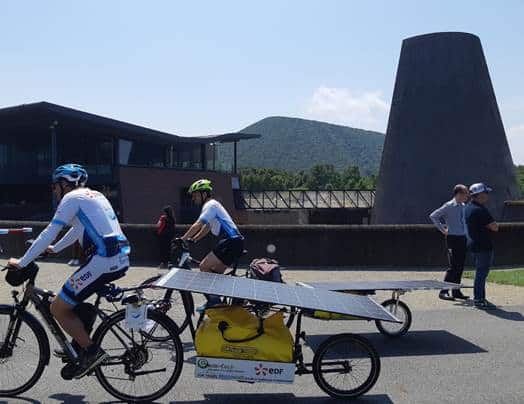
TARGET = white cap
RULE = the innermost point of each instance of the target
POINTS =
(478, 188)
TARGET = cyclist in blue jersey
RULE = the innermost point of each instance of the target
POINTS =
(95, 225)
(215, 219)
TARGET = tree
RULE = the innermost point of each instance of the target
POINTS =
(322, 176)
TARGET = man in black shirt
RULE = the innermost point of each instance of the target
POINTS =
(481, 226)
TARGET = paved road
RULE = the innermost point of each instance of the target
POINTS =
(453, 353)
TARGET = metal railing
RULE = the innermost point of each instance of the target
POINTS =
(317, 199)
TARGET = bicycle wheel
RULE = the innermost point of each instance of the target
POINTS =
(346, 366)
(167, 301)
(401, 311)
(21, 363)
(139, 369)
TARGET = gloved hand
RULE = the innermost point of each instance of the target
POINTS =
(178, 244)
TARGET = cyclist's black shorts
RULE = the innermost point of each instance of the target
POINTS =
(229, 250)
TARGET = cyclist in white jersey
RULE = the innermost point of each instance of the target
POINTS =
(214, 218)
(95, 225)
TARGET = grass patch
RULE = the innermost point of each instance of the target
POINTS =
(507, 277)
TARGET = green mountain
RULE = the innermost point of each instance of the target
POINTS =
(299, 144)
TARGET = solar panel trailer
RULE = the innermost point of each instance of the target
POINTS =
(275, 293)
(406, 286)
(343, 358)
(393, 305)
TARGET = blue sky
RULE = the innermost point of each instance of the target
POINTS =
(203, 67)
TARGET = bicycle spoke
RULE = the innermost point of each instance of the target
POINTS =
(23, 360)
(142, 367)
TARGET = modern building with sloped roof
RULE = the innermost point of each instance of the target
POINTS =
(139, 169)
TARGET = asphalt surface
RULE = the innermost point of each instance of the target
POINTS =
(452, 353)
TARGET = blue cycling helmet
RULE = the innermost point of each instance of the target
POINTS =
(72, 173)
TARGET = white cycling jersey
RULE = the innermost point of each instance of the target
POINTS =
(93, 223)
(214, 214)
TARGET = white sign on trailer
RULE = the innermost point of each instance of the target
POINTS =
(244, 370)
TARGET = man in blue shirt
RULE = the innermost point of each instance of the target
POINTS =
(481, 226)
(449, 219)
(215, 219)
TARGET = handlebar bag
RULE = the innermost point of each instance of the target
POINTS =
(16, 277)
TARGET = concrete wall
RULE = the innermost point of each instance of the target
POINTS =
(274, 217)
(513, 211)
(318, 245)
(307, 216)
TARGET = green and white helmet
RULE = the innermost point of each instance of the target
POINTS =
(200, 185)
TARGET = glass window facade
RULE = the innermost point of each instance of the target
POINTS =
(224, 157)
(25, 157)
(94, 152)
(143, 154)
(187, 156)
(210, 151)
(181, 156)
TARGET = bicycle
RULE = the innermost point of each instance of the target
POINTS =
(171, 301)
(133, 354)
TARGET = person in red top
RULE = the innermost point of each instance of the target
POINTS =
(165, 232)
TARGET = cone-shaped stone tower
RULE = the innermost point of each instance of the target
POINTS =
(444, 128)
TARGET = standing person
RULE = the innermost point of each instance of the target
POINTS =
(449, 219)
(94, 223)
(481, 226)
(165, 232)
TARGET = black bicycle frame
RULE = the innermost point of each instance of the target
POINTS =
(40, 298)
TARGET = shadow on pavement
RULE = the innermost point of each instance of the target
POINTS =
(506, 315)
(19, 399)
(283, 398)
(414, 343)
(64, 398)
(497, 312)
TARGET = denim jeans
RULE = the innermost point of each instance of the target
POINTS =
(483, 260)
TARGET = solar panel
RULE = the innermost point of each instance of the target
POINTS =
(276, 293)
(384, 285)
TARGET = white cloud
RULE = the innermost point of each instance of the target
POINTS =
(515, 136)
(366, 110)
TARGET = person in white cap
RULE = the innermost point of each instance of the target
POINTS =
(481, 226)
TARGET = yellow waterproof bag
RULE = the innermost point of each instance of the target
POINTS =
(327, 315)
(233, 332)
